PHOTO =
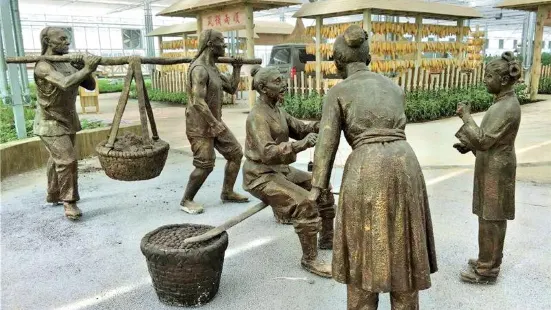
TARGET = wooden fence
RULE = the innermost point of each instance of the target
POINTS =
(413, 79)
(175, 82)
(303, 84)
(545, 72)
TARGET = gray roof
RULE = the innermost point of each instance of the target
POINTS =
(334, 8)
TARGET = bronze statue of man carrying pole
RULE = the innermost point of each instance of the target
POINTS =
(57, 121)
(204, 126)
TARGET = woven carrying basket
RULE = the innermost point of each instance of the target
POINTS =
(133, 166)
(185, 277)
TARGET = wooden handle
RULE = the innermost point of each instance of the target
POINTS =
(227, 225)
(115, 61)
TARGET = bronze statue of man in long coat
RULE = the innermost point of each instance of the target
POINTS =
(57, 121)
(204, 126)
(493, 144)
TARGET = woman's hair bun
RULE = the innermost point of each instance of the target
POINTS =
(508, 56)
(355, 36)
(255, 70)
(514, 66)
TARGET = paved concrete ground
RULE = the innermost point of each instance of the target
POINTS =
(50, 263)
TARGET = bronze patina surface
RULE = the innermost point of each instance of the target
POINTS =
(56, 121)
(204, 126)
(383, 233)
(268, 176)
(493, 144)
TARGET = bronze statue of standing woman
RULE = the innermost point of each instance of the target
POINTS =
(493, 144)
(383, 233)
(204, 126)
(56, 121)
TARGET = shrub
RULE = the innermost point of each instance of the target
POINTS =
(7, 123)
(105, 86)
(308, 107)
(91, 124)
(110, 85)
(421, 105)
(545, 86)
(161, 96)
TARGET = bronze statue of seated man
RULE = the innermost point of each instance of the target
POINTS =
(268, 176)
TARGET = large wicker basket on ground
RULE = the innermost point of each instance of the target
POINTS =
(184, 275)
(133, 166)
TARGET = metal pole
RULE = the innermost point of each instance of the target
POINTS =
(17, 99)
(20, 49)
(524, 37)
(232, 43)
(4, 93)
(319, 21)
(150, 45)
(249, 26)
(99, 39)
(531, 33)
(529, 41)
(487, 41)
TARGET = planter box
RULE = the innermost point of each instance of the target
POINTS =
(29, 154)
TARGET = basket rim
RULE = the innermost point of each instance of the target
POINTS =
(160, 146)
(148, 249)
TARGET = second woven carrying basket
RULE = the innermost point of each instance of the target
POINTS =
(133, 166)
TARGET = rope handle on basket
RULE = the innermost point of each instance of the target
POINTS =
(134, 72)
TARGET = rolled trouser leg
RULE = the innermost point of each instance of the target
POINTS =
(404, 300)
(77, 193)
(227, 145)
(53, 188)
(359, 299)
(63, 153)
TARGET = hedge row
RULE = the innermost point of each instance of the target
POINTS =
(421, 105)
(7, 123)
(105, 86)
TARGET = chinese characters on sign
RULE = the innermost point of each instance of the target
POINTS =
(547, 18)
(232, 19)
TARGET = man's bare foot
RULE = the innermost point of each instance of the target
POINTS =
(72, 211)
(233, 197)
(191, 207)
